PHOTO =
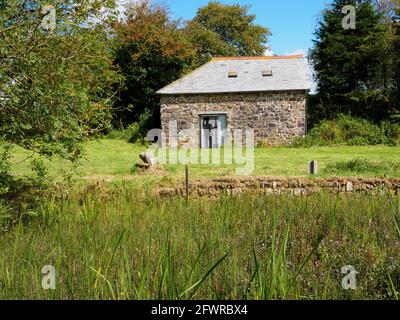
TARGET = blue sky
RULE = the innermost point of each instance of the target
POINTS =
(292, 22)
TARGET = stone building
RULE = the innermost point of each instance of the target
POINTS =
(267, 94)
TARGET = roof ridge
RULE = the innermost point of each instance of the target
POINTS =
(297, 56)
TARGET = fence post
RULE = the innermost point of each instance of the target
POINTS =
(313, 167)
(187, 182)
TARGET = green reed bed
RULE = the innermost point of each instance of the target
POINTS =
(127, 246)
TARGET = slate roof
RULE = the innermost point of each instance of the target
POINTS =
(218, 76)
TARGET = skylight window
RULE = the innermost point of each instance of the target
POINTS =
(232, 74)
(267, 73)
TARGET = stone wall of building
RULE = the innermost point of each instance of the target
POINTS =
(276, 117)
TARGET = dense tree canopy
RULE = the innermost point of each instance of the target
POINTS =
(54, 83)
(396, 62)
(357, 70)
(350, 64)
(152, 52)
(226, 30)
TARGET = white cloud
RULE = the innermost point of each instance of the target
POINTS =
(268, 52)
(122, 7)
(297, 52)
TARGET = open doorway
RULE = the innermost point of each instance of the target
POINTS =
(212, 131)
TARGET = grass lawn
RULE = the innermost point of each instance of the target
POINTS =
(113, 241)
(114, 159)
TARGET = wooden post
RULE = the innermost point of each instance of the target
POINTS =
(187, 182)
(313, 167)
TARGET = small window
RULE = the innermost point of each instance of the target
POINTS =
(232, 74)
(267, 73)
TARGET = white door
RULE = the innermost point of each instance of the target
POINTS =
(213, 129)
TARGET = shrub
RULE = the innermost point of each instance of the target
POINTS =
(124, 133)
(135, 133)
(6, 215)
(363, 166)
(39, 168)
(4, 167)
(346, 130)
(392, 132)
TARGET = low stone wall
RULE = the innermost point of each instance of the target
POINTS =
(270, 185)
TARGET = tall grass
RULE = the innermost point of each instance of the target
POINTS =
(131, 246)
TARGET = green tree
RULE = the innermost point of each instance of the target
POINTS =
(351, 67)
(396, 64)
(152, 51)
(387, 8)
(54, 83)
(226, 30)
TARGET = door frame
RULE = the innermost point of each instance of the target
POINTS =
(210, 114)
